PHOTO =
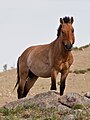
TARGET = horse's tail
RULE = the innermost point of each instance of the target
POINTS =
(18, 77)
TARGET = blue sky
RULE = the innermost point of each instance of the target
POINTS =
(25, 23)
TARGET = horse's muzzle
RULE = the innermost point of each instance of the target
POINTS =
(68, 46)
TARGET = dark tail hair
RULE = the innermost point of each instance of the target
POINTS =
(18, 77)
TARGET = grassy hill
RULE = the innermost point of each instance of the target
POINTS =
(78, 80)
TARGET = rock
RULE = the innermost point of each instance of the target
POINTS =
(68, 106)
(46, 100)
(87, 95)
(69, 117)
(73, 99)
(63, 109)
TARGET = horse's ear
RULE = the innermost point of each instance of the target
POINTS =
(61, 20)
(72, 20)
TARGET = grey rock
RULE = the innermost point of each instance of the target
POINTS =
(69, 117)
(73, 99)
(68, 106)
(87, 95)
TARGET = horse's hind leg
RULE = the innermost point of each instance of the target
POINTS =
(20, 89)
(29, 83)
(21, 85)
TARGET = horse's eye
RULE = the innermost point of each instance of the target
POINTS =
(72, 30)
(63, 32)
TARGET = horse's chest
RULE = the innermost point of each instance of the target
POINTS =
(62, 65)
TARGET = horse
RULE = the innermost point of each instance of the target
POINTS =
(47, 60)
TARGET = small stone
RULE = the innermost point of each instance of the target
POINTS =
(87, 95)
(69, 117)
(0, 94)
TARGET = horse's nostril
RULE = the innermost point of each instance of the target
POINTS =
(68, 46)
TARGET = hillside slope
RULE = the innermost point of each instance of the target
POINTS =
(78, 80)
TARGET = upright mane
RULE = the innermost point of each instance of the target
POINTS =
(66, 20)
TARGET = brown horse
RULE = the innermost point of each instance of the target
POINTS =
(47, 60)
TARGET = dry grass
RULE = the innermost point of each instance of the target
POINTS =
(77, 81)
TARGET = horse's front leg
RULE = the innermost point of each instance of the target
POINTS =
(54, 74)
(64, 74)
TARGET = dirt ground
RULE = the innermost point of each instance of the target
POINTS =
(79, 83)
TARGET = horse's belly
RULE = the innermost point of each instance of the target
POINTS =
(40, 67)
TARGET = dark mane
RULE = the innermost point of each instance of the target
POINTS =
(66, 20)
(59, 30)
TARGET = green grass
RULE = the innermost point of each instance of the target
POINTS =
(85, 46)
(83, 71)
(78, 106)
(81, 48)
(75, 48)
(88, 69)
(79, 71)
(31, 111)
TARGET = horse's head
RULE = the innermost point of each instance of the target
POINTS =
(66, 32)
